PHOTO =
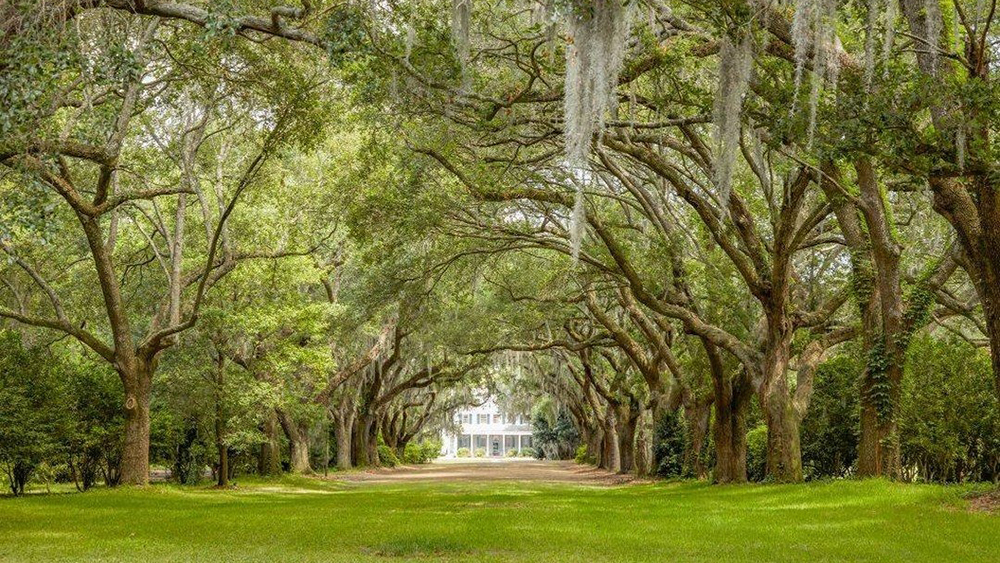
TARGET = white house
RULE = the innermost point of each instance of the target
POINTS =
(486, 427)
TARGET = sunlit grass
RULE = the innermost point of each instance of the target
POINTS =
(298, 519)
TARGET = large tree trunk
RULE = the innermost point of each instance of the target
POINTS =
(611, 459)
(644, 444)
(299, 453)
(698, 416)
(732, 401)
(342, 429)
(298, 443)
(135, 452)
(878, 445)
(269, 458)
(364, 441)
(627, 420)
(784, 453)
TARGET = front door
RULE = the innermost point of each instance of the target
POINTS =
(496, 447)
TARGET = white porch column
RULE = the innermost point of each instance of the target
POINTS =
(518, 444)
(503, 445)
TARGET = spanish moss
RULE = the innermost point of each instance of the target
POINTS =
(736, 61)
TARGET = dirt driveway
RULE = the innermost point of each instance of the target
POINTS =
(493, 470)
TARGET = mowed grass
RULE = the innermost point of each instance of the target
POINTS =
(297, 519)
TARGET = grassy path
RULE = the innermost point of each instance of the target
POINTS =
(308, 520)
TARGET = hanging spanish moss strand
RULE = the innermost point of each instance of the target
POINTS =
(890, 15)
(870, 43)
(819, 62)
(411, 36)
(976, 15)
(736, 61)
(579, 219)
(598, 34)
(461, 24)
(932, 31)
(814, 31)
(802, 23)
(594, 57)
(960, 147)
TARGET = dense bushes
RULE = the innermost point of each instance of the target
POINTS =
(386, 457)
(831, 426)
(950, 419)
(421, 452)
(757, 453)
(669, 445)
(59, 420)
(584, 457)
(556, 439)
(34, 424)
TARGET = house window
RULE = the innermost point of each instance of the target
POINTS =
(466, 419)
(482, 419)
(510, 443)
(525, 441)
(496, 418)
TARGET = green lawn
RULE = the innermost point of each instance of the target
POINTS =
(306, 520)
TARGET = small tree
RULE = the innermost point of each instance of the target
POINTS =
(669, 443)
(32, 410)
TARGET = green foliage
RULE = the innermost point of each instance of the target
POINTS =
(829, 432)
(462, 452)
(387, 457)
(529, 452)
(95, 448)
(556, 439)
(34, 418)
(757, 453)
(480, 452)
(877, 372)
(421, 452)
(950, 421)
(582, 457)
(670, 443)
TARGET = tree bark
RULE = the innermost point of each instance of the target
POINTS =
(343, 423)
(732, 402)
(298, 443)
(627, 420)
(612, 460)
(784, 453)
(135, 452)
(269, 458)
(364, 441)
(698, 416)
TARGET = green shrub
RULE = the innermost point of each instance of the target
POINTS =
(669, 445)
(528, 452)
(462, 452)
(511, 453)
(387, 457)
(757, 453)
(421, 452)
(830, 429)
(583, 457)
(431, 449)
(480, 452)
